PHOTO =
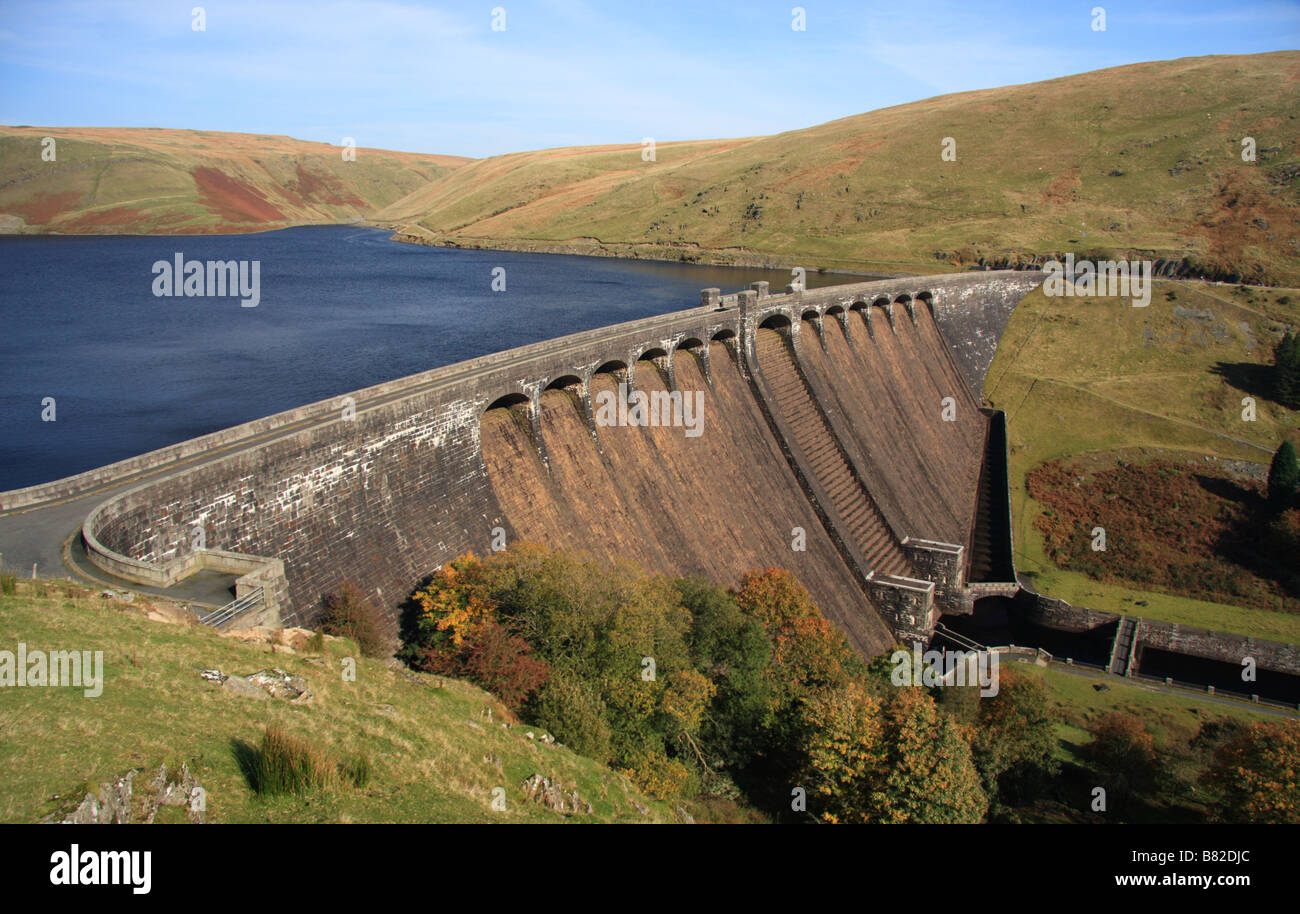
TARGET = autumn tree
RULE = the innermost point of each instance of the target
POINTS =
(930, 774)
(1123, 755)
(806, 655)
(349, 614)
(457, 633)
(1255, 775)
(892, 760)
(843, 753)
(808, 652)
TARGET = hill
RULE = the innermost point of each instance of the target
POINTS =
(154, 181)
(1096, 383)
(1142, 159)
(437, 748)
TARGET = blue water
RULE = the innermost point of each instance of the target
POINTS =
(341, 308)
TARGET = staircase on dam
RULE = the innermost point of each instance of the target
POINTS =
(859, 514)
(1121, 652)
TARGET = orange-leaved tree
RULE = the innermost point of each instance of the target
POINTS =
(1256, 774)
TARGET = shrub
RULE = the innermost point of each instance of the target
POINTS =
(8, 584)
(348, 614)
(575, 713)
(661, 777)
(502, 663)
(1123, 754)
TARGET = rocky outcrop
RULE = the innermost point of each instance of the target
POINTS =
(549, 793)
(121, 802)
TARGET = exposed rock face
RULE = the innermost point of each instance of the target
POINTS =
(291, 639)
(262, 684)
(119, 803)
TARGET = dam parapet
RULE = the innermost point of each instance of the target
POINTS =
(381, 486)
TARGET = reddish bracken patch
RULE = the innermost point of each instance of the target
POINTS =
(319, 189)
(1189, 531)
(105, 218)
(232, 199)
(42, 208)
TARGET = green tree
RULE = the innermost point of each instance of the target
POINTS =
(1015, 735)
(1286, 372)
(1283, 478)
(732, 650)
(573, 710)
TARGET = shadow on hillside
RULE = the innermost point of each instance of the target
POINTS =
(246, 757)
(1232, 491)
(409, 613)
(1256, 539)
(1247, 377)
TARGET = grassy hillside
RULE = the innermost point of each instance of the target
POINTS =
(150, 181)
(1143, 158)
(438, 748)
(1096, 376)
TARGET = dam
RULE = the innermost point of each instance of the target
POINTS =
(842, 438)
(842, 435)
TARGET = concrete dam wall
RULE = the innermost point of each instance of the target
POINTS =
(848, 413)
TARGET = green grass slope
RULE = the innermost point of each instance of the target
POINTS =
(1095, 375)
(154, 181)
(438, 748)
(1143, 158)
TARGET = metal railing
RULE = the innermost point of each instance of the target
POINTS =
(958, 639)
(234, 608)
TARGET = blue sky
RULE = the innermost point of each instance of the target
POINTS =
(435, 77)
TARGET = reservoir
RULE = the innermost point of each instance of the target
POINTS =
(85, 341)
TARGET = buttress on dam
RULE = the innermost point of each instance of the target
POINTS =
(842, 436)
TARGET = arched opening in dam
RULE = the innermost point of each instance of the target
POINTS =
(508, 401)
(616, 369)
(570, 382)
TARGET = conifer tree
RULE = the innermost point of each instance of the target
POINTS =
(1286, 372)
(1283, 478)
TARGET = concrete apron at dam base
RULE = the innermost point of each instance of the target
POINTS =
(851, 413)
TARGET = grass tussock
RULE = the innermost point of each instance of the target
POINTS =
(288, 764)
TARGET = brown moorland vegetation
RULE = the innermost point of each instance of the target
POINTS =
(1199, 533)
